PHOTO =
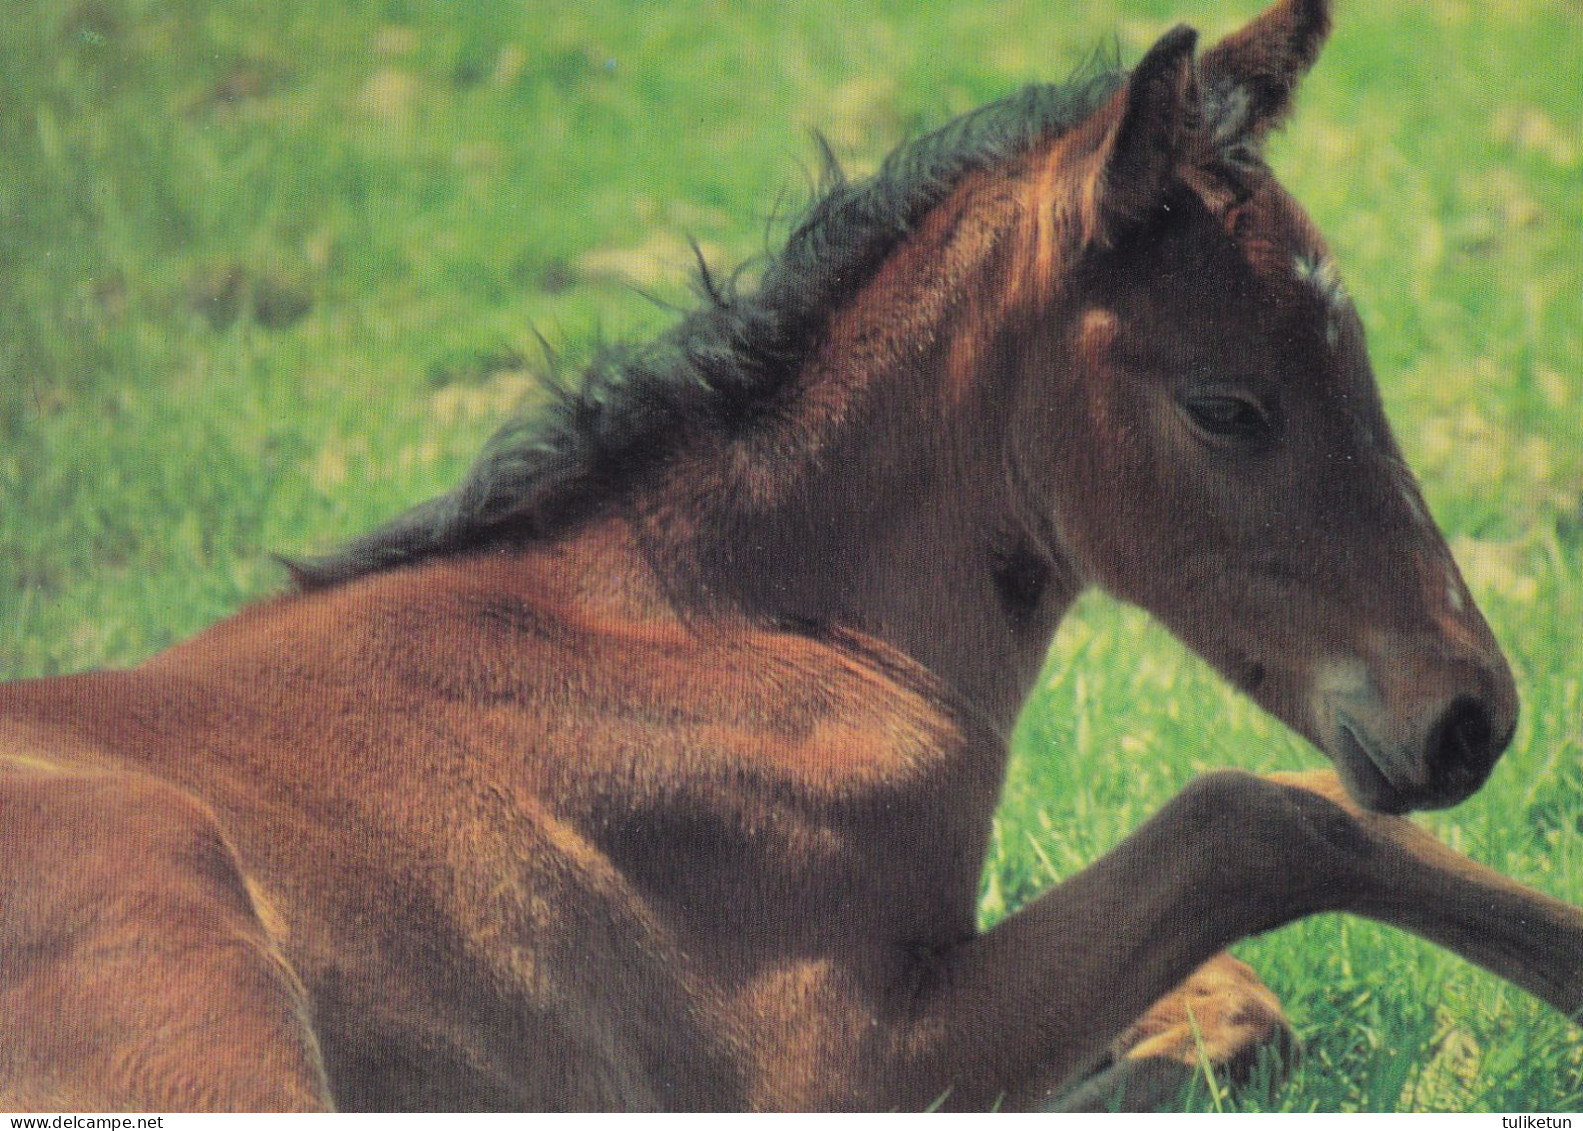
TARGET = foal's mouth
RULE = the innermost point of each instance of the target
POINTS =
(1361, 773)
(1459, 753)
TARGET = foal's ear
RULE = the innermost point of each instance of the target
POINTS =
(1250, 76)
(1157, 115)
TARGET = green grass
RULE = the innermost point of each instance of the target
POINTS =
(270, 273)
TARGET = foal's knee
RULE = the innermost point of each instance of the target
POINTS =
(1284, 845)
(1275, 811)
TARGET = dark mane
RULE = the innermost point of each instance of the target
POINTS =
(722, 366)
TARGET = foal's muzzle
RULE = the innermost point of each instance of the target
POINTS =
(1412, 746)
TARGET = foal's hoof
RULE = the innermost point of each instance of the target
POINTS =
(1221, 1020)
(1222, 1015)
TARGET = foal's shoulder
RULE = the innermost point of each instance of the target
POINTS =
(842, 701)
(641, 670)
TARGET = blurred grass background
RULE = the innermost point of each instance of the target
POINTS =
(270, 273)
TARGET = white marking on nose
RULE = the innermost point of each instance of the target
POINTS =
(1338, 681)
(1341, 677)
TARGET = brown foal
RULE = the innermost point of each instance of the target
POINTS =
(654, 766)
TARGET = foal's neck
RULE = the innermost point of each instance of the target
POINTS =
(885, 494)
(907, 528)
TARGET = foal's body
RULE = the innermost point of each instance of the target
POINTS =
(558, 894)
(674, 790)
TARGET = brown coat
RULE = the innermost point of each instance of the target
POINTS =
(679, 798)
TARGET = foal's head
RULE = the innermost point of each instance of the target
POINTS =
(1223, 459)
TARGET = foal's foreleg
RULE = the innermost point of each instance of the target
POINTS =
(1417, 883)
(1026, 1006)
(135, 970)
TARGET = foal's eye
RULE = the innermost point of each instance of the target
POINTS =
(1225, 417)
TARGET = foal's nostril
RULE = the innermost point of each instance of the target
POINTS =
(1462, 744)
